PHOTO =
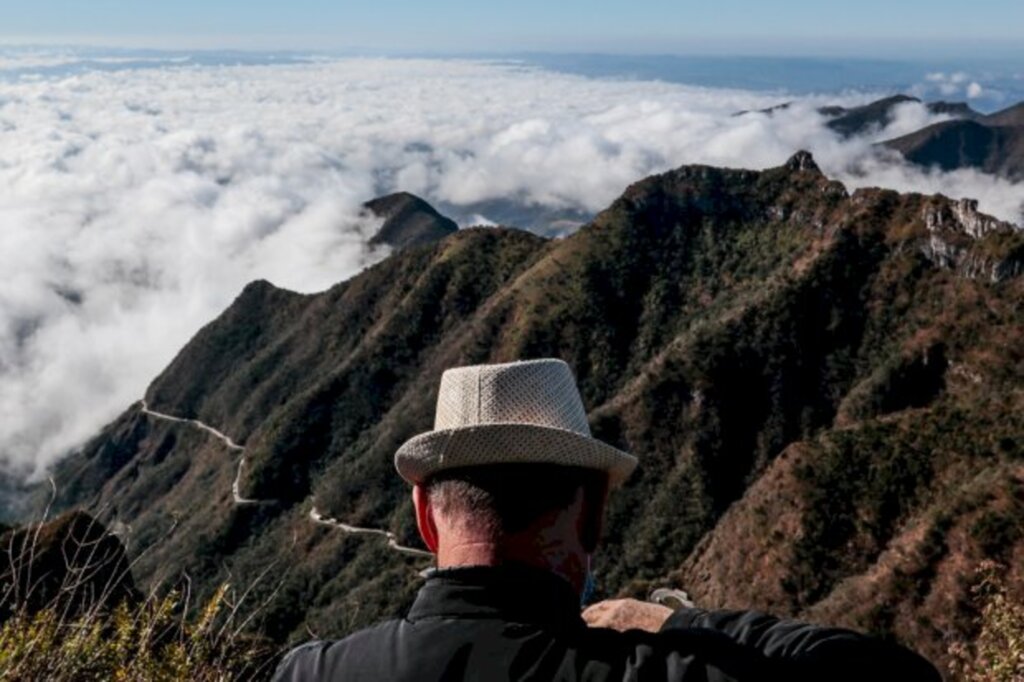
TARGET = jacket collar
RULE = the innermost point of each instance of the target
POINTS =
(512, 593)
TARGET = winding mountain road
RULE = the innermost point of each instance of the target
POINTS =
(236, 485)
(317, 517)
(314, 515)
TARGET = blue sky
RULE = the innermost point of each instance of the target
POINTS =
(795, 27)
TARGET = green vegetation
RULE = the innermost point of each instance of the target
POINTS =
(715, 319)
(862, 484)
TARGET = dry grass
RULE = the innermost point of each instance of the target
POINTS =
(153, 641)
(69, 611)
(997, 654)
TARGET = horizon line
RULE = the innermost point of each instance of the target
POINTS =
(995, 49)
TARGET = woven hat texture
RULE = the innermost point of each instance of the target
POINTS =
(520, 412)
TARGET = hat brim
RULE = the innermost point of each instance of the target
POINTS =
(425, 455)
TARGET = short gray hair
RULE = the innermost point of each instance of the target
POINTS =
(504, 499)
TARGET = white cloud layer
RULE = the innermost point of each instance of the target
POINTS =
(958, 84)
(135, 204)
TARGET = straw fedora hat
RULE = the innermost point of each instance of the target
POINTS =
(520, 412)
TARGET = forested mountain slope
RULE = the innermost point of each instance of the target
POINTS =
(824, 391)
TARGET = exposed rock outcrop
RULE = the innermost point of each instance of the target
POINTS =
(955, 229)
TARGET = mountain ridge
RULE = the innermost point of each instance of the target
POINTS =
(992, 144)
(716, 319)
(877, 115)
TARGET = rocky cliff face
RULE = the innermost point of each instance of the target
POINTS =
(956, 240)
(823, 390)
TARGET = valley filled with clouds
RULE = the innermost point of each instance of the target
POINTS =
(135, 203)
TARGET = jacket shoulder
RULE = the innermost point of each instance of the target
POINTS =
(678, 655)
(822, 652)
(319, 659)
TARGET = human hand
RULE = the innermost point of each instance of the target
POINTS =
(626, 614)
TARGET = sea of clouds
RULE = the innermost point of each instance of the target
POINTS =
(136, 203)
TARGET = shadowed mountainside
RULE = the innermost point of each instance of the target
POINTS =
(824, 391)
(877, 115)
(1012, 116)
(992, 144)
(408, 221)
(874, 116)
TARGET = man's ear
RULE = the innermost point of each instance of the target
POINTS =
(425, 517)
(595, 499)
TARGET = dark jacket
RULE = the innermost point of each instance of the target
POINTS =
(516, 623)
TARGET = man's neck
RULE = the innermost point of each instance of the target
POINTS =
(470, 553)
(564, 563)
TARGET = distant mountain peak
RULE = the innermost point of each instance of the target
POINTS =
(851, 121)
(392, 204)
(802, 162)
(896, 99)
(408, 221)
(881, 113)
(992, 144)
